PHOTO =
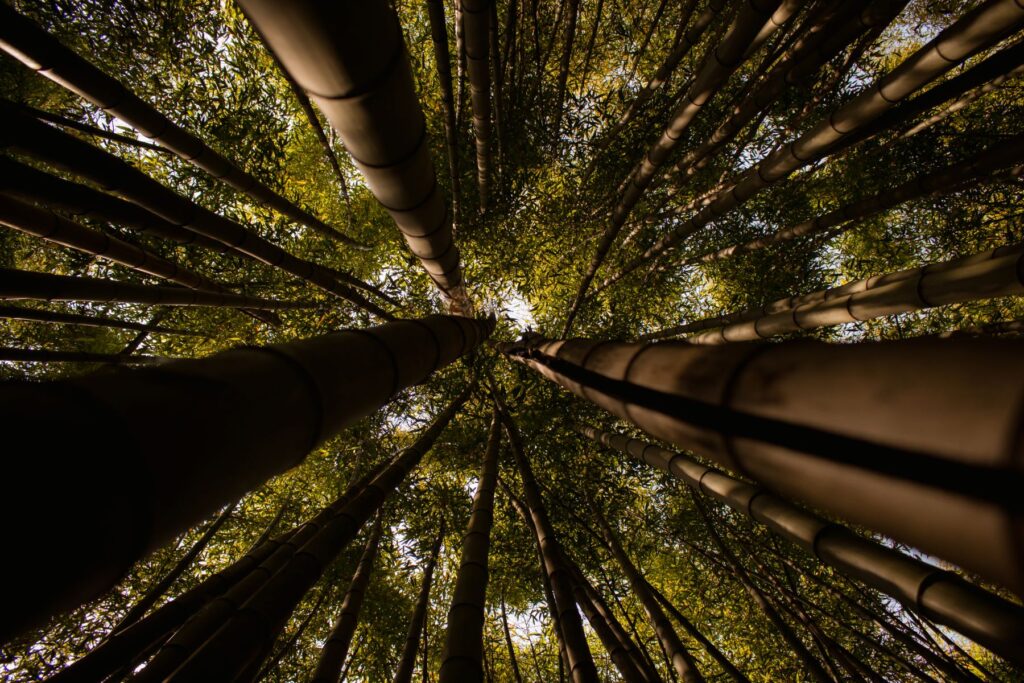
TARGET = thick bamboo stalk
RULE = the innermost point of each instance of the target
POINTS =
(27, 183)
(579, 660)
(254, 625)
(810, 664)
(25, 135)
(682, 661)
(463, 650)
(442, 59)
(476, 18)
(716, 67)
(985, 275)
(351, 61)
(59, 318)
(335, 649)
(25, 41)
(900, 437)
(13, 355)
(18, 285)
(939, 595)
(977, 30)
(240, 417)
(418, 620)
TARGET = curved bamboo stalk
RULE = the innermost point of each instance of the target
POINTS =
(231, 411)
(418, 620)
(351, 61)
(32, 46)
(810, 664)
(13, 355)
(59, 318)
(439, 36)
(476, 17)
(985, 275)
(938, 594)
(682, 661)
(867, 425)
(28, 136)
(121, 647)
(158, 589)
(463, 650)
(588, 53)
(717, 65)
(580, 662)
(335, 649)
(243, 637)
(17, 285)
(24, 182)
(65, 122)
(977, 30)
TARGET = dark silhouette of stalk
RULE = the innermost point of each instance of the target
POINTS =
(14, 355)
(463, 651)
(418, 620)
(332, 657)
(59, 318)
(442, 59)
(65, 122)
(508, 643)
(476, 16)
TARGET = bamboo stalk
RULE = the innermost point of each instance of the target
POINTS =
(25, 41)
(418, 620)
(59, 318)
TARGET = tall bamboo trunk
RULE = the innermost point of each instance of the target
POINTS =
(30, 184)
(476, 17)
(568, 39)
(240, 417)
(717, 66)
(335, 649)
(28, 43)
(442, 59)
(351, 60)
(23, 285)
(252, 627)
(15, 355)
(463, 651)
(580, 662)
(418, 620)
(102, 133)
(977, 30)
(300, 630)
(158, 589)
(810, 664)
(682, 661)
(940, 595)
(27, 136)
(59, 318)
(985, 275)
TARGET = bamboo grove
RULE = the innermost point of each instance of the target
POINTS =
(512, 340)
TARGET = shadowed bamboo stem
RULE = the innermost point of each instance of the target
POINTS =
(418, 620)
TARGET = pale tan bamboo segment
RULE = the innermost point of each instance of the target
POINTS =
(335, 649)
(476, 44)
(937, 594)
(462, 660)
(25, 41)
(916, 439)
(985, 275)
(977, 30)
(351, 60)
(25, 285)
(214, 429)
